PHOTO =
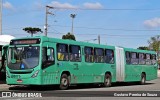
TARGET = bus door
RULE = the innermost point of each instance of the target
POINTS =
(3, 57)
(120, 68)
(49, 71)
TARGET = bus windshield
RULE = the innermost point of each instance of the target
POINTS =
(20, 58)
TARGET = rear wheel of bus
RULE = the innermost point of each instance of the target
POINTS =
(64, 82)
(107, 80)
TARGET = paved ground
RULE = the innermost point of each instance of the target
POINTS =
(86, 92)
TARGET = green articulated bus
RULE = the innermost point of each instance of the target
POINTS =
(47, 61)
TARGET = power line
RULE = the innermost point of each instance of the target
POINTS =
(94, 28)
(116, 9)
(104, 9)
(118, 29)
(120, 35)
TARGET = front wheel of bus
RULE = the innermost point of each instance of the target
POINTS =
(143, 79)
(64, 82)
(107, 80)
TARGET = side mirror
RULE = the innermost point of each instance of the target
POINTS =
(48, 52)
(13, 61)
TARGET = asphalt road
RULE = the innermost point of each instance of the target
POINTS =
(85, 92)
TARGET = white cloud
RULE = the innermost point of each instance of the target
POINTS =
(39, 6)
(62, 5)
(152, 23)
(7, 5)
(96, 5)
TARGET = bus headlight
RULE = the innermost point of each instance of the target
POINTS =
(35, 74)
(7, 75)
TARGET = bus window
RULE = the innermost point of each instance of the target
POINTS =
(153, 59)
(134, 58)
(47, 57)
(141, 59)
(62, 52)
(89, 54)
(148, 59)
(74, 53)
(128, 58)
(27, 56)
(99, 55)
(109, 56)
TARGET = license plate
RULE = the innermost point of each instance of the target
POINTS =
(19, 81)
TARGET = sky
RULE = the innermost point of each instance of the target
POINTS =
(125, 23)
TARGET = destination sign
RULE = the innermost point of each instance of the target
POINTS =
(25, 41)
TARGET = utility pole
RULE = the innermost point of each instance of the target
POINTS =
(99, 39)
(1, 4)
(46, 20)
(72, 16)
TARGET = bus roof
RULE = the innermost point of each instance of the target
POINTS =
(140, 51)
(66, 41)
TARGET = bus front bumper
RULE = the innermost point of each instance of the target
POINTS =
(26, 81)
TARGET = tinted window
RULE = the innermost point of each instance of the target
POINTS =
(148, 59)
(89, 54)
(62, 52)
(47, 57)
(128, 58)
(109, 56)
(141, 59)
(134, 58)
(153, 59)
(75, 53)
(99, 55)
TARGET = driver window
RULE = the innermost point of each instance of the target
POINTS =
(47, 57)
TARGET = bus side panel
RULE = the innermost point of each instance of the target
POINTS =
(151, 72)
(133, 73)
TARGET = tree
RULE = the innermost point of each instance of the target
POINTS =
(143, 48)
(69, 36)
(32, 30)
(154, 43)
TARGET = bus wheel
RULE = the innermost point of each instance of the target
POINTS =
(107, 80)
(64, 82)
(143, 79)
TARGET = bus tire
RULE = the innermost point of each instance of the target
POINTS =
(64, 82)
(143, 79)
(107, 80)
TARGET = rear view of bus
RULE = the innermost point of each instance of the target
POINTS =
(23, 61)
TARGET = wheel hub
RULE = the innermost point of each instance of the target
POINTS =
(107, 81)
(64, 81)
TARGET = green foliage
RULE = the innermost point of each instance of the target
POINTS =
(154, 43)
(143, 48)
(69, 36)
(32, 30)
